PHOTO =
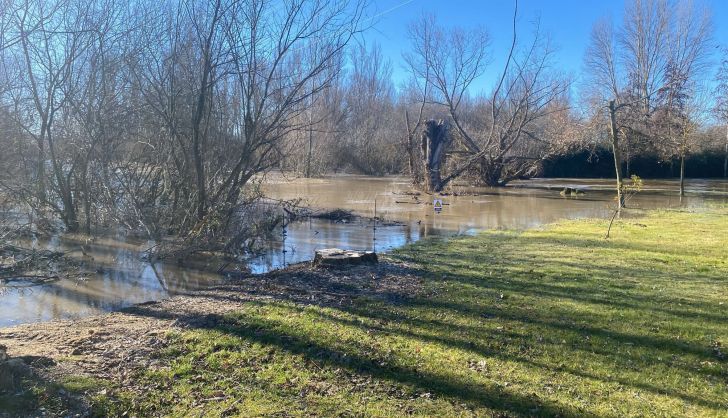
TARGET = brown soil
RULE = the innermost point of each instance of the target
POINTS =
(114, 346)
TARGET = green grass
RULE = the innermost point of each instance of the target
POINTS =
(35, 395)
(554, 321)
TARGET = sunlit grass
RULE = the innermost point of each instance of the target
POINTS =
(555, 321)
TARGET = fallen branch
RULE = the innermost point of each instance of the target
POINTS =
(36, 279)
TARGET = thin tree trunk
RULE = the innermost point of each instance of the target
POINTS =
(615, 150)
(725, 161)
(197, 155)
(87, 214)
(70, 216)
(41, 172)
(86, 201)
(310, 151)
(409, 146)
(207, 68)
(682, 175)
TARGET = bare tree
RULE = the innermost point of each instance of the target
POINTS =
(644, 41)
(503, 137)
(367, 144)
(602, 65)
(679, 128)
(721, 102)
(680, 103)
(97, 109)
(443, 64)
(413, 94)
(626, 68)
(52, 36)
(230, 83)
(646, 73)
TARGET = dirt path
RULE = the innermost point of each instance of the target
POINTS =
(113, 346)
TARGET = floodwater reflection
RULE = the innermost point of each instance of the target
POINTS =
(117, 277)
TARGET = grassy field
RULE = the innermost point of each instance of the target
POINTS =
(555, 321)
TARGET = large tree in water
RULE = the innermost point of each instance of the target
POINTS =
(498, 137)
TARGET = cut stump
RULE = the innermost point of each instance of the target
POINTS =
(335, 257)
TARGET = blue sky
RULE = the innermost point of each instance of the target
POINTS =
(568, 22)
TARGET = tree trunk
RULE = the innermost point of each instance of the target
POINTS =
(725, 161)
(199, 175)
(410, 147)
(41, 192)
(491, 171)
(69, 214)
(434, 142)
(86, 201)
(615, 150)
(205, 88)
(310, 151)
(70, 217)
(682, 175)
(411, 157)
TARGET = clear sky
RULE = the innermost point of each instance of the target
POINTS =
(567, 22)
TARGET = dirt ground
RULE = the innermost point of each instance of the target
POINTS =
(114, 345)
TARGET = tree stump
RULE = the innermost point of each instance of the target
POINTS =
(335, 257)
(435, 142)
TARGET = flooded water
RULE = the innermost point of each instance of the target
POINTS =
(115, 276)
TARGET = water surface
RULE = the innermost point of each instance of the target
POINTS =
(115, 276)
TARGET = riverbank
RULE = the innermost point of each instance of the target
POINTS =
(550, 321)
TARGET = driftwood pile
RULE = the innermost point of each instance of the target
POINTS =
(30, 267)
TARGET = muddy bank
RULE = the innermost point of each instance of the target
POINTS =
(112, 348)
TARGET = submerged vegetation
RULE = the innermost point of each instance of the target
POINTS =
(551, 321)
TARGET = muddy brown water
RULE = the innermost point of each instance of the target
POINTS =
(114, 276)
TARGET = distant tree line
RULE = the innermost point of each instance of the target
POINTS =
(599, 163)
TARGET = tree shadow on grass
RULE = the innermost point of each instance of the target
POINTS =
(574, 287)
(587, 278)
(25, 391)
(477, 347)
(443, 333)
(337, 293)
(263, 331)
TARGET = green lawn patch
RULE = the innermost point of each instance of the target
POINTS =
(546, 322)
